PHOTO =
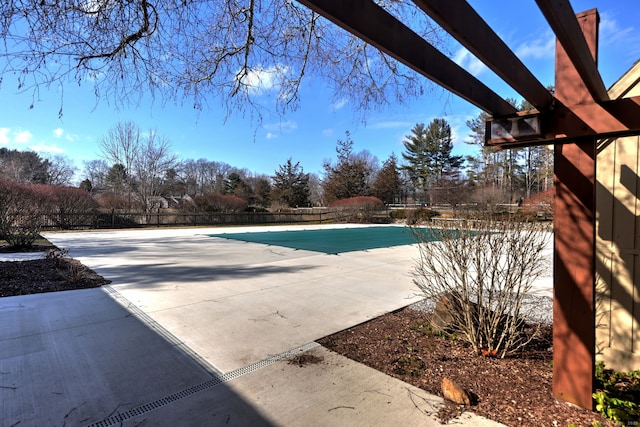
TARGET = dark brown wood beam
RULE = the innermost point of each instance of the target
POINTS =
(565, 25)
(460, 20)
(609, 119)
(374, 25)
(574, 226)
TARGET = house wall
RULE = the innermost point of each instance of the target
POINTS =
(618, 243)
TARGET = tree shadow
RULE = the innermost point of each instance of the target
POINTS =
(617, 287)
(152, 275)
(581, 302)
(81, 358)
(613, 304)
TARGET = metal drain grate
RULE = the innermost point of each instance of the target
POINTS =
(148, 407)
(218, 379)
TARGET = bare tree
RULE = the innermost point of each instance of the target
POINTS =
(145, 160)
(122, 144)
(480, 274)
(186, 50)
(96, 172)
(150, 164)
(61, 170)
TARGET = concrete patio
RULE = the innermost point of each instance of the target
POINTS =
(196, 330)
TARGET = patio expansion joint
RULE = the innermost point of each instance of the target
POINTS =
(160, 330)
(118, 418)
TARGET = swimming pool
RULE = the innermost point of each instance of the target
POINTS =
(331, 240)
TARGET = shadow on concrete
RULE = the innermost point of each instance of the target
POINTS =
(147, 275)
(80, 358)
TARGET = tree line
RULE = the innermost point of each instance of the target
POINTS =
(139, 171)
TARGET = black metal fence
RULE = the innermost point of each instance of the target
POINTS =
(114, 219)
(121, 219)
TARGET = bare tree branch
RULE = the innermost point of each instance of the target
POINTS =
(247, 53)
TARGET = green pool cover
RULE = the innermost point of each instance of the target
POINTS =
(332, 240)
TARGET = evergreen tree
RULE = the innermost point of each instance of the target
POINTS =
(350, 176)
(387, 185)
(291, 185)
(262, 192)
(428, 153)
(233, 182)
(86, 185)
(116, 178)
(24, 166)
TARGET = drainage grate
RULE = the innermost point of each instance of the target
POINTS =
(218, 379)
(148, 407)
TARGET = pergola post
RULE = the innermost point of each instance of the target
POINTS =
(574, 241)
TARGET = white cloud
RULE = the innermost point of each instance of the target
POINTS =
(4, 136)
(626, 41)
(466, 60)
(282, 127)
(43, 148)
(260, 80)
(58, 132)
(543, 46)
(327, 132)
(611, 32)
(390, 125)
(93, 6)
(22, 137)
(339, 104)
(271, 135)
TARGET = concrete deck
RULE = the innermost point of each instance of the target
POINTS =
(197, 330)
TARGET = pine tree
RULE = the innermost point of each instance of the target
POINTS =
(428, 153)
(350, 176)
(387, 185)
(291, 185)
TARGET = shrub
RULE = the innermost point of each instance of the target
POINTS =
(356, 209)
(617, 394)
(73, 206)
(21, 212)
(479, 273)
(218, 203)
(414, 216)
(113, 201)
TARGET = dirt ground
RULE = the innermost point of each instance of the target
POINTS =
(515, 391)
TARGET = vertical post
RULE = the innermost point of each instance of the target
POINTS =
(574, 241)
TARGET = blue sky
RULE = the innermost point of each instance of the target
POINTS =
(308, 135)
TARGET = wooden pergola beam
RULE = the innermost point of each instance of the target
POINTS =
(564, 23)
(374, 25)
(609, 119)
(460, 20)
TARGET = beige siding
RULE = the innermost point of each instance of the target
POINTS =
(618, 243)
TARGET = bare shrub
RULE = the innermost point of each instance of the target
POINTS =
(356, 209)
(479, 273)
(415, 216)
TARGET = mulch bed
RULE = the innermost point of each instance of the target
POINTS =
(51, 274)
(515, 391)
